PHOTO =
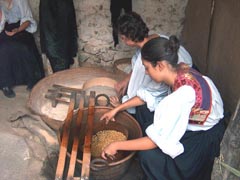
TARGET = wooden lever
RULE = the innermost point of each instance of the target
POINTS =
(65, 138)
(88, 138)
(76, 134)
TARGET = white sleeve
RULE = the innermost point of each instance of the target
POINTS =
(171, 120)
(2, 21)
(153, 93)
(26, 15)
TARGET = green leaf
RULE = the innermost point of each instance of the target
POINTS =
(231, 169)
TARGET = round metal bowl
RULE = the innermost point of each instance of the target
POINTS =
(114, 169)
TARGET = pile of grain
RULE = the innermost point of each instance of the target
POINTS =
(103, 138)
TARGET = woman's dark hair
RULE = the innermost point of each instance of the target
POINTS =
(160, 48)
(132, 26)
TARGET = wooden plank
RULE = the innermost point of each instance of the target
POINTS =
(88, 138)
(76, 135)
(65, 138)
(223, 61)
(66, 89)
(196, 31)
(57, 99)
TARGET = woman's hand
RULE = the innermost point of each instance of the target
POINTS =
(109, 116)
(13, 32)
(110, 151)
(121, 88)
(114, 101)
(19, 29)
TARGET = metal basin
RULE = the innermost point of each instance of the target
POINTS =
(115, 168)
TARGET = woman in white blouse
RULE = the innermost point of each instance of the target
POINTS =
(135, 33)
(187, 128)
(16, 28)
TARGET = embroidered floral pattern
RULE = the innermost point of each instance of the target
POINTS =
(188, 76)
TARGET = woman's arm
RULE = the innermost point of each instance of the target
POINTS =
(121, 86)
(2, 20)
(133, 102)
(26, 16)
(144, 143)
(22, 27)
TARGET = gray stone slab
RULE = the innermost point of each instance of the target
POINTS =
(14, 157)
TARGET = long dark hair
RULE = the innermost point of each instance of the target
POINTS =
(160, 48)
(132, 26)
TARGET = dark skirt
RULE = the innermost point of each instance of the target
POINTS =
(16, 65)
(20, 60)
(200, 149)
(144, 117)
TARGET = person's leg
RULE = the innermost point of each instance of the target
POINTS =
(115, 9)
(7, 80)
(158, 166)
(127, 5)
(200, 149)
(195, 163)
(28, 40)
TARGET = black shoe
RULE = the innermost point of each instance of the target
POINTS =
(8, 92)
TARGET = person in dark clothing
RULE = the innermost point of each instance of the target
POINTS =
(58, 32)
(116, 7)
(21, 62)
(17, 67)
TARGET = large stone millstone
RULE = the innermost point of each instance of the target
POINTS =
(74, 78)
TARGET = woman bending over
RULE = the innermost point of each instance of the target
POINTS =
(187, 129)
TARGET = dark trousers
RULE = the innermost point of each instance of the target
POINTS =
(115, 7)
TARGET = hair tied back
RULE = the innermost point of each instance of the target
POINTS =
(173, 44)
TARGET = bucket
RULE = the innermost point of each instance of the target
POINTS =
(113, 169)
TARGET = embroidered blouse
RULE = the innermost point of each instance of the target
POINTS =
(171, 118)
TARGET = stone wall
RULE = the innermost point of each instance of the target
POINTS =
(95, 31)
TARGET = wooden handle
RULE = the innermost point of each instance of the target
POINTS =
(65, 138)
(88, 138)
(66, 89)
(76, 135)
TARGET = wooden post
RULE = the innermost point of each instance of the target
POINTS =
(88, 138)
(76, 135)
(65, 138)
